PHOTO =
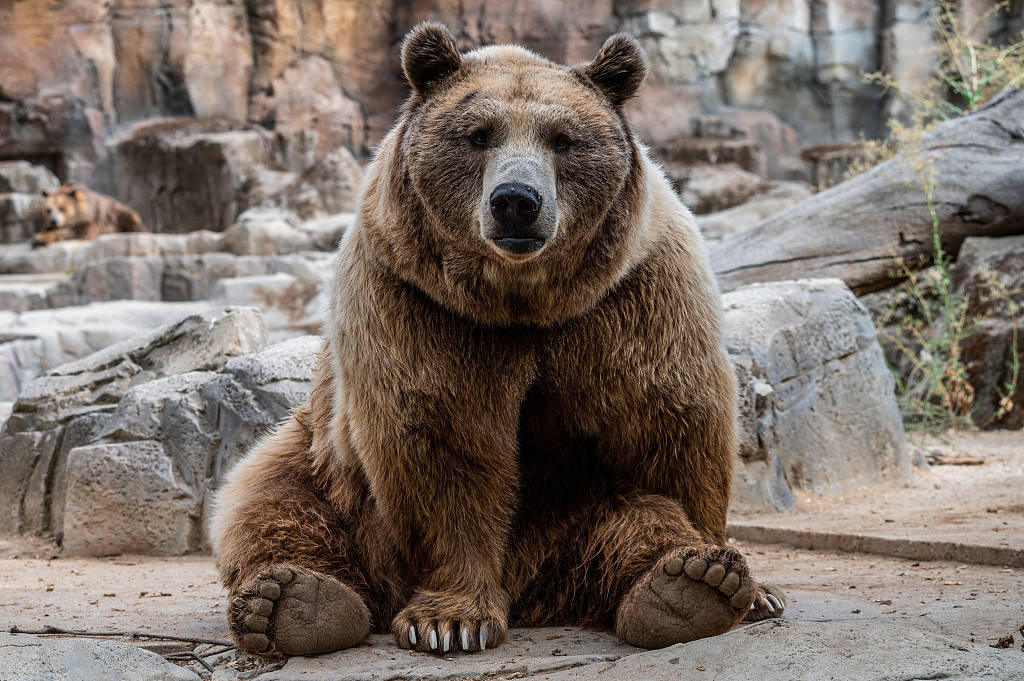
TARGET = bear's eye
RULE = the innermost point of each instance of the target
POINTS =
(561, 143)
(480, 139)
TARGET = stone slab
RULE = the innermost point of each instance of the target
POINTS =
(787, 650)
(30, 658)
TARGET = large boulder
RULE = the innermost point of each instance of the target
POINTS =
(120, 452)
(139, 480)
(69, 405)
(817, 408)
(187, 174)
(710, 188)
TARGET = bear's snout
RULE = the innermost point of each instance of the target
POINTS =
(515, 207)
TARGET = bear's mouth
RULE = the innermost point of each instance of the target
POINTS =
(519, 246)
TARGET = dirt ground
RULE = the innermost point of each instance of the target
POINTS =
(181, 596)
(968, 602)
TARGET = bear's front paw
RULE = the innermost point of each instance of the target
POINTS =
(443, 622)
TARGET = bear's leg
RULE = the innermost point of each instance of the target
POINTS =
(634, 560)
(285, 555)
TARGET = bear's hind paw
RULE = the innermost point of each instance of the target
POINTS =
(289, 610)
(689, 594)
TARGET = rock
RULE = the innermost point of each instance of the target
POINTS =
(266, 231)
(289, 304)
(817, 409)
(20, 216)
(125, 497)
(63, 256)
(306, 94)
(192, 428)
(788, 650)
(781, 195)
(36, 341)
(681, 154)
(327, 231)
(21, 177)
(218, 60)
(711, 188)
(19, 293)
(128, 462)
(330, 186)
(525, 653)
(71, 659)
(82, 71)
(189, 174)
(70, 405)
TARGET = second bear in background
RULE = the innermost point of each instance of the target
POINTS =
(74, 212)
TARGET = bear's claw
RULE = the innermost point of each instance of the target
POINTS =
(769, 601)
(442, 623)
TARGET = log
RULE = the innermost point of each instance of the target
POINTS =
(860, 229)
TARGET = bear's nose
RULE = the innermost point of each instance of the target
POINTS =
(515, 206)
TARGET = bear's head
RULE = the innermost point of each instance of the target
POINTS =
(516, 179)
(66, 206)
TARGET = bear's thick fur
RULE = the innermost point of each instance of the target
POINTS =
(74, 212)
(523, 412)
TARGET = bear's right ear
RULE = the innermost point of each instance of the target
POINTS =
(429, 55)
(619, 68)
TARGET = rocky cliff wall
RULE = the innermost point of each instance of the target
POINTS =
(786, 73)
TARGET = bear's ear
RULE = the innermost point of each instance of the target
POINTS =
(618, 69)
(429, 55)
(75, 193)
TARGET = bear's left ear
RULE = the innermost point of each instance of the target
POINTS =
(619, 68)
(429, 55)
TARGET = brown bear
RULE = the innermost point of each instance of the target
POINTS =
(523, 413)
(74, 212)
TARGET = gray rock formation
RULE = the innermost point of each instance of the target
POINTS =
(34, 342)
(72, 406)
(817, 410)
(30, 658)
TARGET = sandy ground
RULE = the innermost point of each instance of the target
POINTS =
(181, 596)
(968, 602)
(972, 511)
